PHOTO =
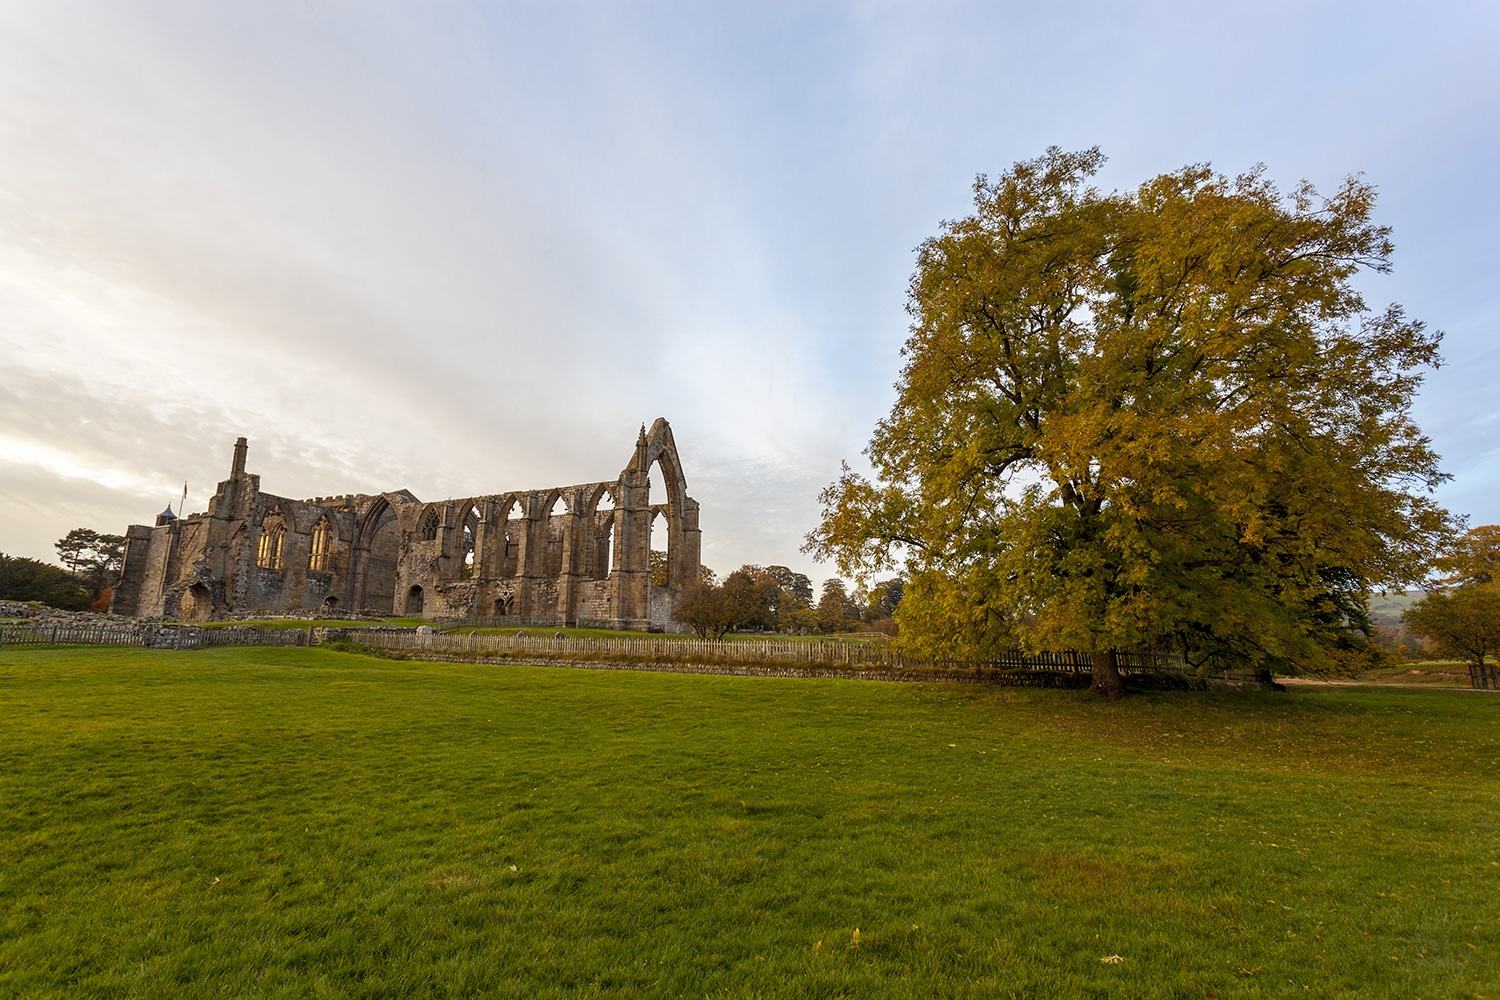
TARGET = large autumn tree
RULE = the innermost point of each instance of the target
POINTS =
(1156, 418)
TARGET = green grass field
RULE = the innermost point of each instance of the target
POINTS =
(302, 623)
(302, 822)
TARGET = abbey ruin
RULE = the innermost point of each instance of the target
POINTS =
(575, 555)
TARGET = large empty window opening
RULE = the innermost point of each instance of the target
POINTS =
(471, 538)
(604, 535)
(320, 554)
(511, 525)
(660, 547)
(272, 540)
(661, 527)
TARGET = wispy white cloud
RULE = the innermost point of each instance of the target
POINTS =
(462, 249)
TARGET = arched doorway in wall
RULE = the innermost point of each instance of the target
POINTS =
(330, 603)
(414, 601)
(196, 605)
(376, 551)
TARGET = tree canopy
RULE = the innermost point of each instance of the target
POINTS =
(23, 579)
(1473, 560)
(1150, 418)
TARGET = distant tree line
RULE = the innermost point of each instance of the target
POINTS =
(91, 567)
(776, 599)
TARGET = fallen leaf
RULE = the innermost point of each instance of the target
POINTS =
(1112, 959)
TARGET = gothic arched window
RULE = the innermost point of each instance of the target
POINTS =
(320, 555)
(272, 539)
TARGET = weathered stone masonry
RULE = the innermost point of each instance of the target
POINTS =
(575, 554)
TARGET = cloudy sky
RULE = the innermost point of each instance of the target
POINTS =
(468, 247)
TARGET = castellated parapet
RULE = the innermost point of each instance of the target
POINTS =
(570, 554)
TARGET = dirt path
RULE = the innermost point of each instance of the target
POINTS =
(1428, 686)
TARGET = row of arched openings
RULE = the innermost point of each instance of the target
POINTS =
(599, 545)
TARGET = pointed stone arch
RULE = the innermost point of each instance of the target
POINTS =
(657, 448)
(376, 552)
(600, 520)
(428, 524)
(469, 539)
(270, 548)
(511, 519)
(320, 545)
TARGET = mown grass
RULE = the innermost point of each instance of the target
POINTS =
(302, 623)
(255, 821)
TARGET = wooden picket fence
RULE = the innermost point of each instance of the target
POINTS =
(79, 635)
(745, 651)
(151, 636)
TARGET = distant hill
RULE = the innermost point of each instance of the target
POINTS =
(1385, 609)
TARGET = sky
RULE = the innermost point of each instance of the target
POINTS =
(467, 248)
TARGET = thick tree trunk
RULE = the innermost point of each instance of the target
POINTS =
(1107, 682)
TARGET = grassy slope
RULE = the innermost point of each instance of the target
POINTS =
(294, 822)
(1386, 609)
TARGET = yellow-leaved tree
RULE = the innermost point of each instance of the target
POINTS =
(1159, 418)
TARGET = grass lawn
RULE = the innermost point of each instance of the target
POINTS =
(302, 822)
(1437, 672)
(303, 623)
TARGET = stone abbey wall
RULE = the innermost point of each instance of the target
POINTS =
(573, 553)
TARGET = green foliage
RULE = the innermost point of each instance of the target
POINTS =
(299, 822)
(23, 579)
(1162, 417)
(884, 598)
(708, 610)
(97, 556)
(71, 548)
(837, 612)
(1474, 558)
(347, 645)
(796, 586)
(763, 599)
(657, 561)
(1463, 624)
